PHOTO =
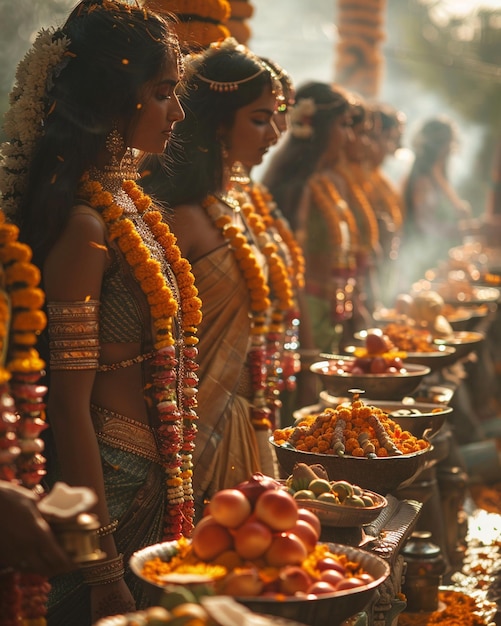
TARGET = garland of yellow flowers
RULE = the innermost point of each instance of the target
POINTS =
(258, 290)
(368, 222)
(176, 399)
(282, 349)
(334, 209)
(23, 596)
(199, 22)
(267, 209)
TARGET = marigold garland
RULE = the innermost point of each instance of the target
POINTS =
(260, 302)
(23, 596)
(366, 218)
(265, 206)
(334, 210)
(175, 398)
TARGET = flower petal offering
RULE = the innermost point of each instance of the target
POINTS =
(354, 429)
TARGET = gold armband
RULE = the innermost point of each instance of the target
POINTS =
(73, 335)
(105, 572)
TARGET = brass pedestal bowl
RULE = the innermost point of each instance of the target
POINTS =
(387, 386)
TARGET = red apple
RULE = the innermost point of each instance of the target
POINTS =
(285, 549)
(252, 539)
(294, 579)
(277, 509)
(332, 576)
(330, 563)
(307, 534)
(311, 518)
(350, 583)
(320, 587)
(243, 583)
(230, 508)
(210, 539)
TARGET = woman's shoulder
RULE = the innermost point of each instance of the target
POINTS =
(85, 222)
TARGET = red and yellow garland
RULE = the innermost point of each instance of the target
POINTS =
(265, 206)
(334, 210)
(175, 399)
(366, 218)
(260, 303)
(23, 596)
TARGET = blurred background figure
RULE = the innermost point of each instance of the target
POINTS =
(433, 209)
(385, 135)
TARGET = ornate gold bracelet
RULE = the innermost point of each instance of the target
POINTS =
(73, 335)
(105, 572)
(109, 529)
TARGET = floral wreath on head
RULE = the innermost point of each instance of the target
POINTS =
(301, 118)
(29, 106)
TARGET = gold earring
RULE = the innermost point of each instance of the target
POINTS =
(115, 145)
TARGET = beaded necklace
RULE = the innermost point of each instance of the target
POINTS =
(23, 596)
(260, 303)
(368, 226)
(171, 300)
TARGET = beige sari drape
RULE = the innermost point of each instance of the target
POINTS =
(226, 449)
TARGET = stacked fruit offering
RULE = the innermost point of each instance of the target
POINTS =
(257, 540)
(306, 484)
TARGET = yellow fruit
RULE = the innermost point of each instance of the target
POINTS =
(353, 501)
(330, 497)
(368, 501)
(342, 489)
(304, 494)
(319, 485)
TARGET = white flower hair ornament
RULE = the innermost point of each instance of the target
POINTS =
(301, 116)
(24, 121)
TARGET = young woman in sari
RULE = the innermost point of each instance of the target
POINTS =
(122, 309)
(302, 179)
(230, 98)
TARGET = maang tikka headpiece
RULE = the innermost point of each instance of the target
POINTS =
(222, 86)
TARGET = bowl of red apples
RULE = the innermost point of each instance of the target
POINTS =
(378, 369)
(262, 549)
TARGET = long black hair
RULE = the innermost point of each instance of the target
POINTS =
(297, 158)
(115, 49)
(434, 136)
(193, 167)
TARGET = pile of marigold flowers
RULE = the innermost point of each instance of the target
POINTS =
(459, 609)
(354, 429)
(185, 561)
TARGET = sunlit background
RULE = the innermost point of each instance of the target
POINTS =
(440, 57)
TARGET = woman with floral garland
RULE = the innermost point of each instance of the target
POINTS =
(121, 303)
(384, 140)
(230, 98)
(302, 181)
(282, 347)
(351, 168)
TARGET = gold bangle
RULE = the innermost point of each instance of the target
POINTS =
(105, 572)
(109, 529)
(73, 335)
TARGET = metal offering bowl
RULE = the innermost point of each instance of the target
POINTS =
(376, 386)
(464, 341)
(330, 609)
(382, 474)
